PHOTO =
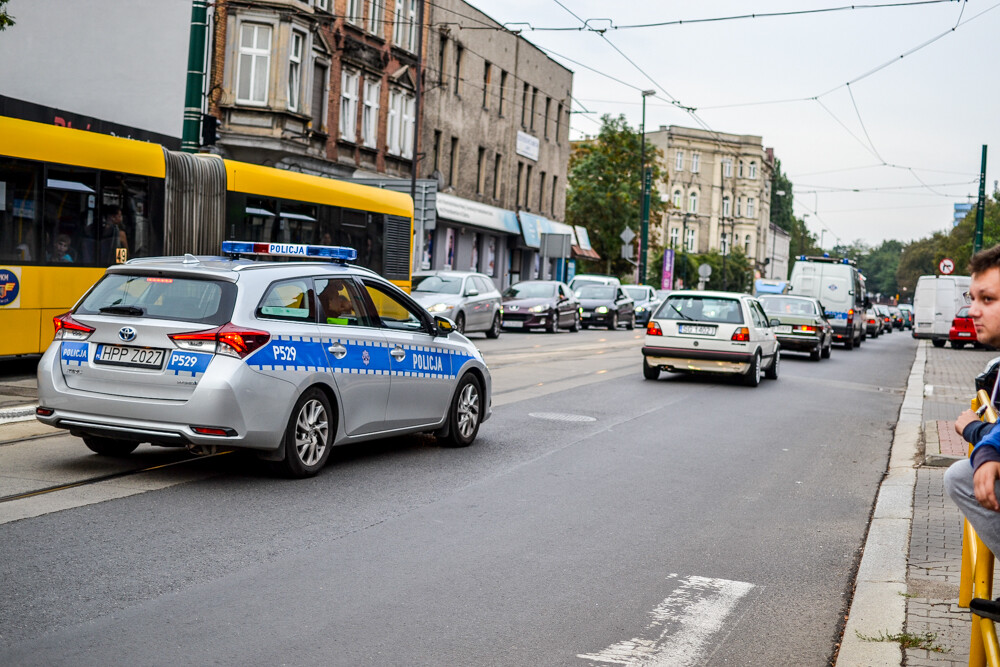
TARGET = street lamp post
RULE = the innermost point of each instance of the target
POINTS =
(644, 196)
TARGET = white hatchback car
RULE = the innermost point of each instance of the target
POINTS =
(711, 332)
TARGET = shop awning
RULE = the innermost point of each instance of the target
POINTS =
(468, 212)
(533, 226)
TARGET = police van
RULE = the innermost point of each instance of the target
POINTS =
(284, 359)
(839, 286)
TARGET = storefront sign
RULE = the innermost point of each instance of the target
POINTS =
(473, 213)
(527, 146)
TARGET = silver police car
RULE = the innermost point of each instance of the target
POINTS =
(286, 359)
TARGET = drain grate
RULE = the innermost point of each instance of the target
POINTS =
(561, 417)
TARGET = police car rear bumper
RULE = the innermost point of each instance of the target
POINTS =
(229, 396)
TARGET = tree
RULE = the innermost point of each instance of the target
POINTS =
(880, 266)
(781, 199)
(6, 19)
(604, 190)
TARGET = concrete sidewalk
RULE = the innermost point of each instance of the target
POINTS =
(909, 575)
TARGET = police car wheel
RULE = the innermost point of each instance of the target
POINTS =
(308, 435)
(494, 330)
(109, 446)
(465, 413)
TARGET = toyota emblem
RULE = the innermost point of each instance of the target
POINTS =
(127, 334)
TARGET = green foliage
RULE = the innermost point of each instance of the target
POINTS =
(880, 266)
(6, 20)
(781, 204)
(738, 271)
(603, 193)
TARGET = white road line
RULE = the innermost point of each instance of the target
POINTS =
(682, 625)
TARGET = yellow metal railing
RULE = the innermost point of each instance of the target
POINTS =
(977, 571)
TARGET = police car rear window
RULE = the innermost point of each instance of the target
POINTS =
(162, 298)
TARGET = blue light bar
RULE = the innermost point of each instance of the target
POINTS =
(331, 252)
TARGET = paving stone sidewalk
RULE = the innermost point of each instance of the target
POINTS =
(933, 571)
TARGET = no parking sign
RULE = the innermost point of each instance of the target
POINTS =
(946, 266)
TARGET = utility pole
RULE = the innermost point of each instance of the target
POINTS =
(644, 181)
(977, 243)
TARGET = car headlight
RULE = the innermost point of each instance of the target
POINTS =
(439, 308)
(539, 309)
(640, 309)
(601, 309)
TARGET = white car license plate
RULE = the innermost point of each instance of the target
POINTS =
(696, 329)
(964, 334)
(122, 355)
(784, 328)
(513, 324)
(586, 315)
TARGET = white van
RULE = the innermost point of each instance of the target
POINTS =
(840, 288)
(935, 302)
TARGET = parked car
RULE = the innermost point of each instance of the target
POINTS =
(283, 359)
(645, 300)
(883, 313)
(606, 306)
(581, 279)
(802, 324)
(897, 317)
(873, 323)
(548, 304)
(907, 311)
(469, 299)
(963, 331)
(711, 332)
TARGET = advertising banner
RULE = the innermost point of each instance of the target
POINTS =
(667, 280)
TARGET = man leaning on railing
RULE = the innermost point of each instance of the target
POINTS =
(974, 485)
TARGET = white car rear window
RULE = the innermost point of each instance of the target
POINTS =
(701, 309)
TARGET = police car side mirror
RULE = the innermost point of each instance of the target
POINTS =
(443, 326)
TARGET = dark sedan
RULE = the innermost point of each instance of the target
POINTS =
(605, 306)
(537, 304)
(802, 324)
(645, 300)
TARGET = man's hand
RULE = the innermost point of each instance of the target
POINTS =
(964, 420)
(984, 482)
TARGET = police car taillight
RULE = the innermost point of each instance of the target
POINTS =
(69, 329)
(228, 339)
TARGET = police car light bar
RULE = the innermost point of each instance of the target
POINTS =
(331, 252)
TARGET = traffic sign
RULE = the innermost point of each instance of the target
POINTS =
(946, 266)
(704, 271)
(627, 235)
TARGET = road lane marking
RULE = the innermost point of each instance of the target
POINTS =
(682, 625)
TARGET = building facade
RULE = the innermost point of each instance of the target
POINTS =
(495, 136)
(719, 190)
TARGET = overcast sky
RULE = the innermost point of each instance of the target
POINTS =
(928, 113)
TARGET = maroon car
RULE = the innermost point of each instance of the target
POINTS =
(540, 304)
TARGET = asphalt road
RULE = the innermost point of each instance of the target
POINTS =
(599, 518)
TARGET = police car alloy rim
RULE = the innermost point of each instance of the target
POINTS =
(468, 410)
(311, 432)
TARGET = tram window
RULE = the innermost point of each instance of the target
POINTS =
(298, 223)
(256, 221)
(20, 227)
(69, 214)
(140, 230)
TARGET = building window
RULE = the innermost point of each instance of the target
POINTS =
(524, 106)
(555, 185)
(727, 168)
(369, 113)
(319, 84)
(518, 188)
(503, 92)
(323, 4)
(753, 170)
(481, 171)
(453, 162)
(726, 206)
(295, 70)
(458, 68)
(739, 169)
(746, 246)
(376, 16)
(541, 193)
(405, 24)
(751, 207)
(401, 119)
(558, 120)
(677, 199)
(739, 207)
(689, 241)
(679, 161)
(436, 161)
(695, 162)
(254, 64)
(527, 187)
(349, 104)
(674, 236)
(724, 244)
(353, 12)
(548, 108)
(693, 202)
(487, 71)
(534, 100)
(497, 163)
